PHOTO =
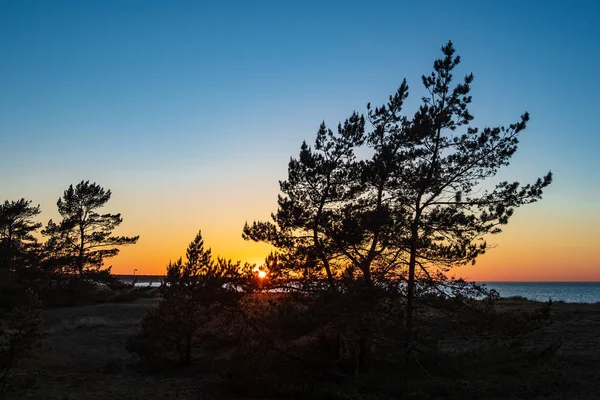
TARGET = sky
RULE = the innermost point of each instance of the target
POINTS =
(189, 111)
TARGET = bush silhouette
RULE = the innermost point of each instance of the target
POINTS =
(193, 312)
(21, 331)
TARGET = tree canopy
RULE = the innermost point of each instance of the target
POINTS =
(421, 203)
(84, 236)
(17, 228)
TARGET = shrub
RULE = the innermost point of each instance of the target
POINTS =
(21, 332)
(129, 295)
(196, 296)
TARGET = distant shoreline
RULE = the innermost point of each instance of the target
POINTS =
(130, 277)
(568, 292)
(138, 277)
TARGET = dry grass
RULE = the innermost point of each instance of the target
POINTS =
(84, 357)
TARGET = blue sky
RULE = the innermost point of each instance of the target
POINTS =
(187, 110)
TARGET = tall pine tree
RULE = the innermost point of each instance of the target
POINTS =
(84, 235)
(423, 201)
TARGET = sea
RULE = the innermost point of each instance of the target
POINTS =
(570, 292)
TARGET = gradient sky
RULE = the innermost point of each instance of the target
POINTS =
(189, 111)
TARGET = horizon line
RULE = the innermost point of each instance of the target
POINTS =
(555, 281)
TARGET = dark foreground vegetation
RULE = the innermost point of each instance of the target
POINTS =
(84, 357)
(354, 303)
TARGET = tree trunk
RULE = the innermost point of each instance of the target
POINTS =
(81, 250)
(364, 352)
(410, 298)
(410, 295)
(365, 335)
(316, 241)
(188, 341)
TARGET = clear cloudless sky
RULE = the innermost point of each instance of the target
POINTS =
(189, 110)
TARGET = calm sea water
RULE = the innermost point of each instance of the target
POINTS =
(571, 292)
(155, 283)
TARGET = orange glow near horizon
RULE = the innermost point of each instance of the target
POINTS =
(539, 243)
(529, 249)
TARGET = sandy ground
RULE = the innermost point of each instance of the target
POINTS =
(84, 357)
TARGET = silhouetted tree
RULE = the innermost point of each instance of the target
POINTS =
(195, 292)
(17, 229)
(421, 204)
(84, 235)
(319, 181)
(442, 176)
(55, 257)
(198, 267)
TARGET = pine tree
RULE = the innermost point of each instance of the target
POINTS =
(17, 229)
(421, 204)
(196, 291)
(85, 236)
(319, 180)
(444, 167)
